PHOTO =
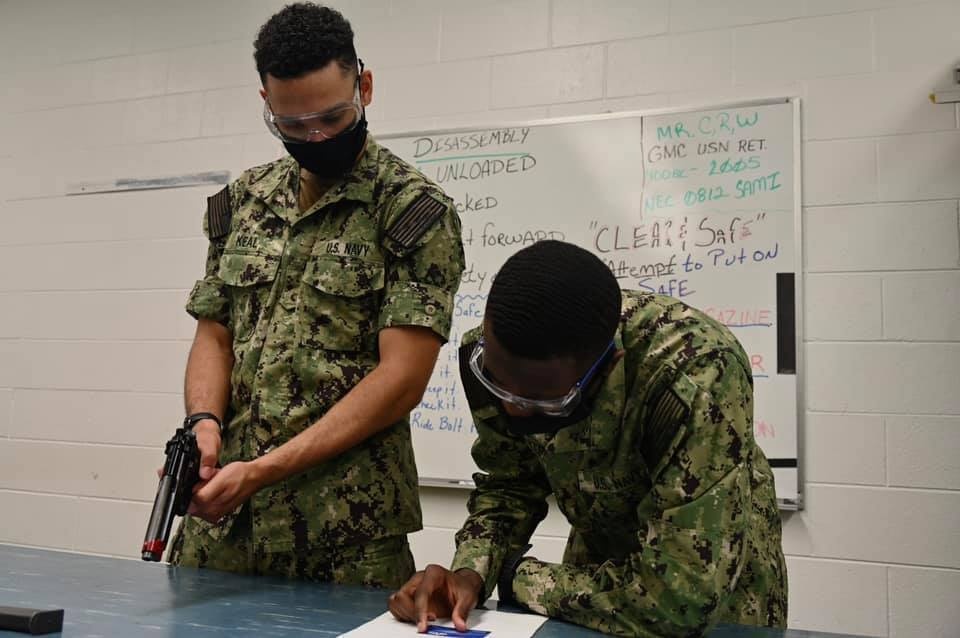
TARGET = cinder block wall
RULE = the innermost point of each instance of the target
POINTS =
(93, 337)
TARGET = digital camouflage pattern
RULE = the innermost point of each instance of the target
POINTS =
(384, 562)
(305, 294)
(674, 517)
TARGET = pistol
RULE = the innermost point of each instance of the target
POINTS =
(180, 473)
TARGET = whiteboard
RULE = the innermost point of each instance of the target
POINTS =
(702, 205)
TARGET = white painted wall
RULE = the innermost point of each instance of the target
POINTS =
(93, 337)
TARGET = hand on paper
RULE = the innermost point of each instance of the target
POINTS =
(437, 592)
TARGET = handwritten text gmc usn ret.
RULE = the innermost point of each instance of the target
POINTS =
(678, 142)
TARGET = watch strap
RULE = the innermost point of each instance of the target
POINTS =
(193, 419)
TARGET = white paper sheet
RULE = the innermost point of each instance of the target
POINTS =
(497, 624)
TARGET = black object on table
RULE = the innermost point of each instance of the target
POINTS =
(31, 621)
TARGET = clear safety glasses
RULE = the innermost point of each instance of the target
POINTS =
(314, 127)
(561, 406)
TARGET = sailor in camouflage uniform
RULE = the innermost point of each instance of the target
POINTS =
(328, 293)
(635, 412)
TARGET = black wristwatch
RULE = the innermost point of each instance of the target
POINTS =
(195, 418)
(508, 572)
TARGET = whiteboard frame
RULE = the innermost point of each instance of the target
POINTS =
(799, 286)
(785, 504)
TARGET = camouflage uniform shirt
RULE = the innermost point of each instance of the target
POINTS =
(304, 294)
(671, 502)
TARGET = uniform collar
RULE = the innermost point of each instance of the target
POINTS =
(277, 184)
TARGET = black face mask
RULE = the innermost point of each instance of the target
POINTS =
(334, 157)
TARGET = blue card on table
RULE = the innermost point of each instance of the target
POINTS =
(437, 630)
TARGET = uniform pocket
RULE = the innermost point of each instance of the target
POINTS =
(249, 279)
(339, 303)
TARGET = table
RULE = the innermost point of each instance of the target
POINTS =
(117, 597)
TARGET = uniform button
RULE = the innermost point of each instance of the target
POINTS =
(431, 309)
(288, 298)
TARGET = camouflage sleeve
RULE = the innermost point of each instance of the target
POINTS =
(208, 299)
(692, 526)
(427, 259)
(506, 506)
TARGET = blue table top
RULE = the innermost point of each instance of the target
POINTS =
(116, 597)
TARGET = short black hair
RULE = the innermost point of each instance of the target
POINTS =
(303, 37)
(554, 299)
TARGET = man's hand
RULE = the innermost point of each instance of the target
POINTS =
(437, 592)
(208, 441)
(225, 492)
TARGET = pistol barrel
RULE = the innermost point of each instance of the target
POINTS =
(161, 519)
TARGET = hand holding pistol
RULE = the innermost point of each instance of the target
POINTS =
(180, 473)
